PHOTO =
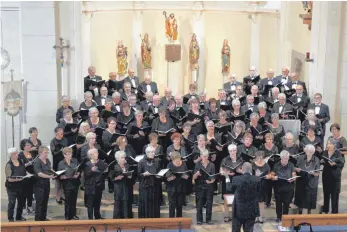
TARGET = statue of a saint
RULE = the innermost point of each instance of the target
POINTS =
(122, 55)
(194, 52)
(146, 53)
(225, 57)
(171, 27)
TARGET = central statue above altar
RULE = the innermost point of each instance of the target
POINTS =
(171, 28)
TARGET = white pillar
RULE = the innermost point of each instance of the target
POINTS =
(173, 76)
(282, 36)
(136, 61)
(326, 50)
(85, 41)
(255, 41)
(198, 29)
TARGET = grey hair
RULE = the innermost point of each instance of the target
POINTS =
(282, 95)
(119, 154)
(67, 111)
(209, 122)
(204, 152)
(309, 148)
(103, 87)
(149, 149)
(289, 134)
(11, 150)
(201, 136)
(262, 104)
(91, 110)
(115, 94)
(284, 154)
(108, 101)
(254, 115)
(231, 146)
(91, 152)
(235, 102)
(241, 124)
(275, 88)
(65, 97)
(138, 112)
(150, 93)
(247, 167)
(275, 116)
(127, 83)
(88, 94)
(250, 96)
(89, 135)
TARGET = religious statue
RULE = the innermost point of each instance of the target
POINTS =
(171, 27)
(225, 57)
(307, 6)
(122, 55)
(194, 53)
(146, 53)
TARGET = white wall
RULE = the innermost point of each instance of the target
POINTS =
(343, 71)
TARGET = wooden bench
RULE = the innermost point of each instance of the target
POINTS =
(315, 219)
(99, 225)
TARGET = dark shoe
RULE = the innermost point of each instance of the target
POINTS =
(110, 190)
(60, 202)
(10, 220)
(21, 219)
(209, 222)
(199, 223)
(260, 221)
(226, 219)
(62, 199)
(278, 220)
(68, 219)
(82, 188)
(135, 205)
(205, 206)
(46, 219)
(75, 218)
(101, 218)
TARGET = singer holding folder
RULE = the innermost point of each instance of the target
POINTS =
(14, 185)
(149, 194)
(333, 163)
(43, 174)
(70, 182)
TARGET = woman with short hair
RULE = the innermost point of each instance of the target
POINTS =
(88, 101)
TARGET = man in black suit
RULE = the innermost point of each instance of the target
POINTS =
(145, 104)
(245, 205)
(134, 106)
(270, 81)
(250, 80)
(192, 93)
(249, 105)
(148, 86)
(91, 76)
(284, 78)
(132, 79)
(101, 99)
(255, 94)
(295, 81)
(126, 91)
(299, 100)
(179, 103)
(113, 84)
(165, 101)
(231, 85)
(281, 107)
(321, 111)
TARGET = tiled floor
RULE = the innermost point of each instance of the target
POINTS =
(56, 212)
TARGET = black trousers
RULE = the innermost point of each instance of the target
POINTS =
(70, 202)
(283, 200)
(29, 191)
(204, 196)
(94, 202)
(110, 183)
(247, 224)
(41, 197)
(269, 192)
(331, 191)
(130, 202)
(176, 201)
(13, 196)
(120, 209)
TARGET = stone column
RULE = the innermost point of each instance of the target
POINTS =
(326, 50)
(198, 29)
(282, 36)
(135, 61)
(254, 41)
(85, 39)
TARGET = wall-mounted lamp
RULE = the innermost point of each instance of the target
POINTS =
(308, 57)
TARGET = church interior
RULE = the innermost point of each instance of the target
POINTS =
(48, 47)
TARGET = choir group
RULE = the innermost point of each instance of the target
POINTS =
(125, 133)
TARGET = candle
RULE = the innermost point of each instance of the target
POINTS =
(307, 55)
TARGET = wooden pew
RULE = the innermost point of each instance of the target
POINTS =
(99, 225)
(314, 219)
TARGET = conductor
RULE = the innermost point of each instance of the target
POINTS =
(245, 206)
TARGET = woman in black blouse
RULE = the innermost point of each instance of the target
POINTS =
(264, 116)
(94, 172)
(312, 120)
(333, 164)
(70, 182)
(212, 113)
(68, 134)
(198, 126)
(176, 146)
(162, 125)
(65, 104)
(35, 142)
(236, 136)
(177, 178)
(14, 186)
(88, 101)
(139, 138)
(277, 130)
(125, 116)
(254, 128)
(204, 187)
(149, 195)
(223, 123)
(121, 177)
(108, 133)
(291, 147)
(312, 139)
(341, 141)
(43, 173)
(26, 158)
(94, 122)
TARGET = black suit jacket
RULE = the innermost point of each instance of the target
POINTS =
(286, 107)
(245, 189)
(137, 81)
(290, 85)
(86, 87)
(246, 79)
(98, 99)
(303, 103)
(279, 79)
(227, 85)
(324, 114)
(153, 85)
(263, 82)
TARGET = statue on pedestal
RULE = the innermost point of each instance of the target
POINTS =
(194, 53)
(146, 53)
(225, 57)
(171, 27)
(122, 55)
